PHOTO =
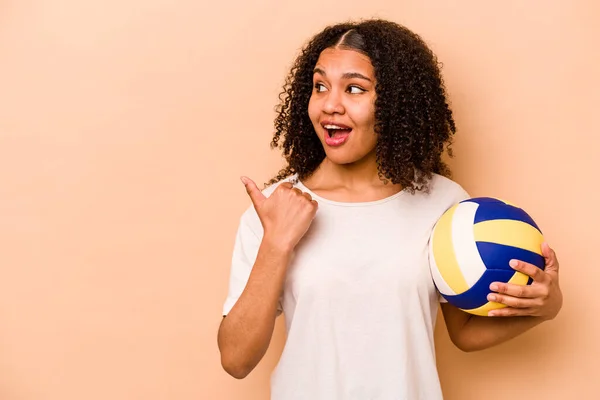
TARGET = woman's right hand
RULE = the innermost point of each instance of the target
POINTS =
(286, 215)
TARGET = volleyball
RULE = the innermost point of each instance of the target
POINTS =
(471, 245)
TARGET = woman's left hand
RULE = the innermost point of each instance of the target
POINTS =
(543, 298)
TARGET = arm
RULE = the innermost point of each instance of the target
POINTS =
(245, 334)
(534, 304)
(472, 332)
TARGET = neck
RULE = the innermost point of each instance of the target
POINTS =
(351, 176)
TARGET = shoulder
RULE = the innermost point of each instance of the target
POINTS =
(442, 193)
(443, 187)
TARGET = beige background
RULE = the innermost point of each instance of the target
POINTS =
(124, 126)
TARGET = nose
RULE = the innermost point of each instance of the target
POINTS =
(333, 102)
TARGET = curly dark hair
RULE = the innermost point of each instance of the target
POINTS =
(413, 120)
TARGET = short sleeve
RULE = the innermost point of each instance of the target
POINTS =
(245, 250)
(462, 195)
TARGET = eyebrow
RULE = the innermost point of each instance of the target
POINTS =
(347, 75)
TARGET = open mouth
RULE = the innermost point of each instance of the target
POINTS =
(337, 134)
(336, 130)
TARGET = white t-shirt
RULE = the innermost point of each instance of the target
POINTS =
(359, 301)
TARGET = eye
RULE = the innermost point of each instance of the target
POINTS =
(353, 89)
(319, 87)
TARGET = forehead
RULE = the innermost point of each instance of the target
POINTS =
(344, 60)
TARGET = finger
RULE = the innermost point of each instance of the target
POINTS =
(550, 256)
(524, 291)
(514, 302)
(308, 196)
(510, 312)
(537, 274)
(256, 196)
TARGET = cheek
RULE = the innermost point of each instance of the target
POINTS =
(313, 110)
(364, 116)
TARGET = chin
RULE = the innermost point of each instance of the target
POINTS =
(340, 158)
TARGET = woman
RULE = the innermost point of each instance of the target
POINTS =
(338, 241)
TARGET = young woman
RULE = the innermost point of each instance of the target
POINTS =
(338, 240)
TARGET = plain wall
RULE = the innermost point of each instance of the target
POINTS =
(124, 126)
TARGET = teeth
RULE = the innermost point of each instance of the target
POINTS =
(332, 127)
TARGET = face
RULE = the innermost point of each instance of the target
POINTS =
(342, 105)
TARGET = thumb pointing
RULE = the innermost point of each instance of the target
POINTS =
(253, 191)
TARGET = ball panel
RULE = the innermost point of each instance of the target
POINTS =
(485, 309)
(443, 253)
(506, 202)
(467, 256)
(495, 209)
(476, 296)
(497, 256)
(510, 233)
(483, 200)
(517, 279)
(438, 280)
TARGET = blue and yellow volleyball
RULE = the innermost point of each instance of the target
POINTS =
(471, 246)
